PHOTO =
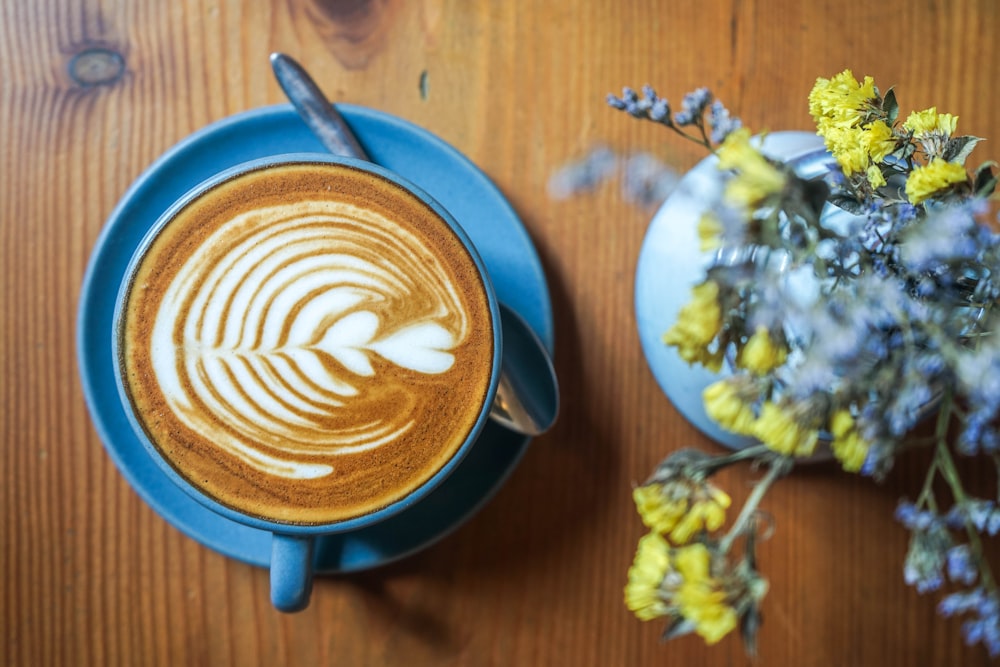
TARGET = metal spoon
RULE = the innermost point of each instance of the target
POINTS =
(527, 399)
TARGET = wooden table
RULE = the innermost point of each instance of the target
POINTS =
(93, 92)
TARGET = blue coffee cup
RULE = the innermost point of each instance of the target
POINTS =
(293, 544)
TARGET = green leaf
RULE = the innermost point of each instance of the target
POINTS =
(749, 626)
(678, 627)
(890, 106)
(849, 204)
(905, 151)
(985, 181)
(958, 148)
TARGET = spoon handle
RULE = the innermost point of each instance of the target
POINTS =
(318, 113)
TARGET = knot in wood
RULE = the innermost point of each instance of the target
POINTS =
(96, 67)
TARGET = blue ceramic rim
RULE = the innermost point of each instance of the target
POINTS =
(290, 528)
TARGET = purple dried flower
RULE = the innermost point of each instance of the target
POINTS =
(947, 236)
(615, 102)
(693, 107)
(914, 518)
(961, 568)
(585, 174)
(982, 515)
(648, 105)
(984, 626)
(646, 181)
(660, 111)
(721, 122)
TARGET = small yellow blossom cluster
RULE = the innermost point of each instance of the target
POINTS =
(697, 325)
(754, 183)
(755, 179)
(928, 180)
(672, 573)
(681, 507)
(697, 328)
(709, 232)
(848, 446)
(775, 424)
(780, 427)
(932, 130)
(701, 597)
(679, 582)
(762, 353)
(841, 102)
(846, 117)
(786, 429)
(856, 123)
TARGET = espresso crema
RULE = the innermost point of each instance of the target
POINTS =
(307, 343)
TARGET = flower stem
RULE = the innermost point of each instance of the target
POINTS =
(944, 464)
(926, 497)
(701, 141)
(779, 467)
(950, 473)
(751, 452)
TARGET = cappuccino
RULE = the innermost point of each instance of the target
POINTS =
(307, 342)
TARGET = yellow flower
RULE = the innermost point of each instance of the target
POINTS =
(705, 514)
(858, 150)
(851, 155)
(877, 140)
(781, 431)
(709, 232)
(938, 175)
(761, 354)
(929, 121)
(848, 445)
(679, 508)
(736, 150)
(697, 325)
(725, 406)
(841, 99)
(837, 139)
(700, 597)
(756, 178)
(678, 582)
(875, 176)
(840, 107)
(660, 506)
(932, 130)
(643, 592)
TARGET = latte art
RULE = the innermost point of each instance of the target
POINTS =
(307, 342)
(271, 327)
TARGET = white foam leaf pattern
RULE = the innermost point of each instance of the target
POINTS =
(274, 325)
(347, 338)
(421, 347)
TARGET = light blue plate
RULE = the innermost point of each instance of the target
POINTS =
(418, 156)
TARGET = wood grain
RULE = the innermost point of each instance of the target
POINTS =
(92, 576)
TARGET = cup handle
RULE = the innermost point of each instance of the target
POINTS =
(291, 572)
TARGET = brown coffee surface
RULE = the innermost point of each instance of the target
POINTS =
(307, 343)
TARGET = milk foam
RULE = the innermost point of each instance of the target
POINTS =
(277, 325)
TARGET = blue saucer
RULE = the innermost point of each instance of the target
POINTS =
(418, 156)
